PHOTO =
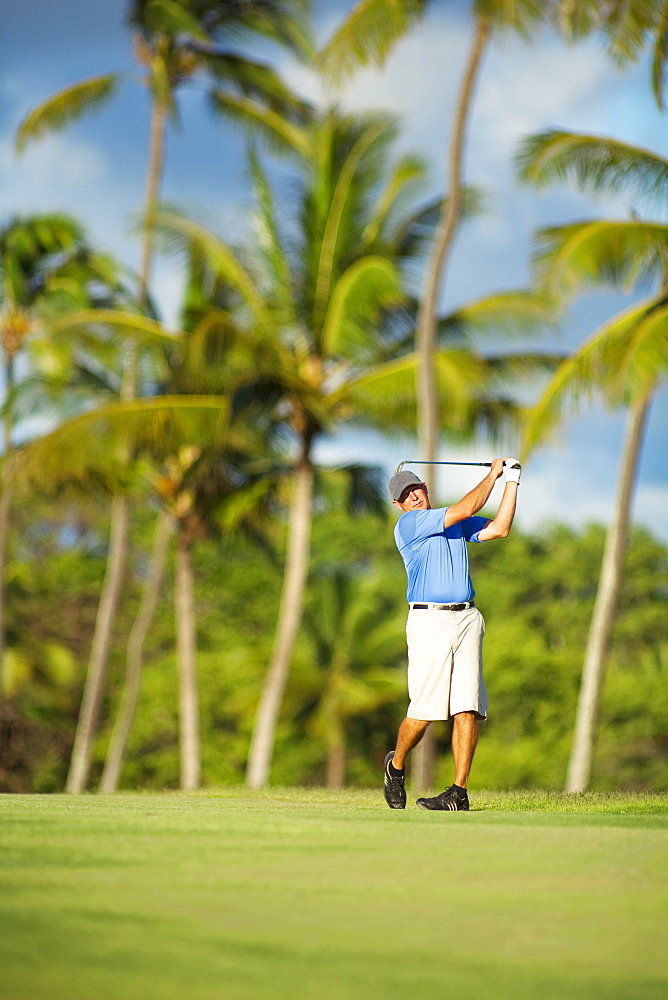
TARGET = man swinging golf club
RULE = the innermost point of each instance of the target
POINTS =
(444, 628)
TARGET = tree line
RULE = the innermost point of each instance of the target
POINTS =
(346, 691)
(316, 321)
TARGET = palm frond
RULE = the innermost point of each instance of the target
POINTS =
(211, 354)
(280, 20)
(374, 131)
(510, 314)
(366, 489)
(90, 448)
(59, 392)
(577, 18)
(520, 16)
(269, 241)
(596, 164)
(569, 259)
(645, 354)
(368, 35)
(147, 330)
(619, 361)
(386, 395)
(363, 290)
(260, 82)
(183, 233)
(517, 370)
(492, 420)
(407, 172)
(172, 18)
(625, 27)
(660, 56)
(360, 489)
(66, 106)
(279, 133)
(241, 506)
(415, 234)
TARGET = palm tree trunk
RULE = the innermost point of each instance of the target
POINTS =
(134, 658)
(79, 771)
(5, 509)
(289, 618)
(82, 751)
(600, 630)
(427, 388)
(5, 503)
(336, 762)
(422, 758)
(156, 159)
(184, 600)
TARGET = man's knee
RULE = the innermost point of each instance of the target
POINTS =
(465, 720)
(465, 716)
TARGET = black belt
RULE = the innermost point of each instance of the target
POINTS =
(442, 607)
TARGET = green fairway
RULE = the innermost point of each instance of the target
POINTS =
(308, 894)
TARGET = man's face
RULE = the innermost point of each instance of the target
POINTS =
(413, 498)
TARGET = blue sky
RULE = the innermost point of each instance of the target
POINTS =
(95, 170)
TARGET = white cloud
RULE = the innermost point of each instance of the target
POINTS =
(61, 174)
(548, 496)
(49, 168)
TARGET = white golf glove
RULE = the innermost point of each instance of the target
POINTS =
(512, 470)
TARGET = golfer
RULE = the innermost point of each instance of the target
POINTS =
(444, 628)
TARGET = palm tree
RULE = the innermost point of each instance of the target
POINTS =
(326, 291)
(367, 36)
(137, 636)
(317, 287)
(45, 267)
(194, 494)
(202, 487)
(175, 42)
(624, 360)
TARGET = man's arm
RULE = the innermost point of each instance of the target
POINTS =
(476, 499)
(500, 526)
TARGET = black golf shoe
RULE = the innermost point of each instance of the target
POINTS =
(447, 801)
(395, 793)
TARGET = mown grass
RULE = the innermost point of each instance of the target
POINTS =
(295, 893)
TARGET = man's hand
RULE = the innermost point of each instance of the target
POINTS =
(497, 467)
(512, 469)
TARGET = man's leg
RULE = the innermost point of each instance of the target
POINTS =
(464, 741)
(410, 733)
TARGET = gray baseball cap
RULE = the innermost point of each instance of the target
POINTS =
(400, 480)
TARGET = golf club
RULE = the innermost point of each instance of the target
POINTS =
(415, 461)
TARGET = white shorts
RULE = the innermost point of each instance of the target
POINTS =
(445, 664)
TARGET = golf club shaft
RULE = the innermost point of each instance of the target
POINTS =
(414, 461)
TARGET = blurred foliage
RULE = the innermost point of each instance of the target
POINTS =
(535, 590)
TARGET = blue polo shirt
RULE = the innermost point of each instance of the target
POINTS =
(435, 557)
